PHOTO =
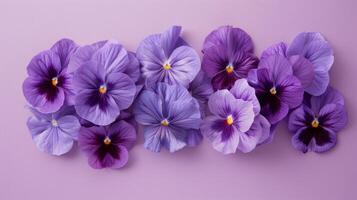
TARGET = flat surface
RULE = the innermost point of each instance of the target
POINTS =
(274, 171)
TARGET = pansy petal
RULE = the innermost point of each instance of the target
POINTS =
(101, 112)
(299, 117)
(291, 91)
(276, 49)
(319, 83)
(233, 38)
(148, 108)
(70, 125)
(185, 64)
(221, 103)
(278, 67)
(185, 115)
(121, 88)
(126, 133)
(318, 140)
(40, 64)
(169, 39)
(194, 137)
(83, 54)
(331, 96)
(265, 128)
(303, 70)
(242, 90)
(133, 69)
(214, 61)
(224, 140)
(333, 117)
(89, 76)
(64, 48)
(113, 57)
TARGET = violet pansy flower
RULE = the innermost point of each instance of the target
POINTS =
(170, 116)
(317, 121)
(48, 85)
(311, 57)
(105, 82)
(107, 147)
(235, 122)
(54, 133)
(277, 89)
(166, 57)
(228, 56)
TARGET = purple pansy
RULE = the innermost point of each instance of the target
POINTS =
(236, 122)
(54, 133)
(228, 56)
(277, 89)
(311, 57)
(317, 121)
(170, 116)
(107, 147)
(105, 82)
(166, 57)
(48, 85)
(200, 89)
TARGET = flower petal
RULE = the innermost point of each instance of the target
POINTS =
(126, 132)
(64, 49)
(331, 96)
(319, 83)
(121, 88)
(194, 137)
(303, 70)
(148, 108)
(242, 90)
(113, 57)
(278, 67)
(299, 118)
(276, 49)
(169, 39)
(314, 139)
(333, 117)
(291, 91)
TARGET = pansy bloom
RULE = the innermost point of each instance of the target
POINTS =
(170, 116)
(228, 56)
(166, 57)
(317, 121)
(311, 57)
(105, 82)
(277, 89)
(54, 133)
(48, 85)
(107, 147)
(235, 122)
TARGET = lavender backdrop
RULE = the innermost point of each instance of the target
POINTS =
(274, 171)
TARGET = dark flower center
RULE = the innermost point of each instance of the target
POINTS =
(273, 91)
(107, 141)
(54, 81)
(50, 84)
(315, 123)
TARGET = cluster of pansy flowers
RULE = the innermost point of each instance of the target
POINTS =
(99, 94)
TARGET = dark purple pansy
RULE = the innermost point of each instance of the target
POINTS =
(311, 57)
(104, 81)
(166, 57)
(48, 85)
(317, 121)
(277, 89)
(228, 56)
(107, 147)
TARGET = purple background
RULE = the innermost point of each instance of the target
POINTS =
(273, 171)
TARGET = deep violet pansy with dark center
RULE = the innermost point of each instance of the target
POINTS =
(107, 146)
(48, 85)
(317, 121)
(228, 56)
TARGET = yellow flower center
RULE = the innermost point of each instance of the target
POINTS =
(229, 69)
(102, 89)
(165, 122)
(229, 120)
(54, 122)
(315, 123)
(166, 66)
(273, 91)
(54, 81)
(107, 140)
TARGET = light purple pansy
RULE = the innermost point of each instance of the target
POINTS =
(311, 57)
(48, 85)
(170, 116)
(277, 89)
(317, 121)
(166, 57)
(108, 146)
(228, 56)
(54, 133)
(236, 122)
(105, 83)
